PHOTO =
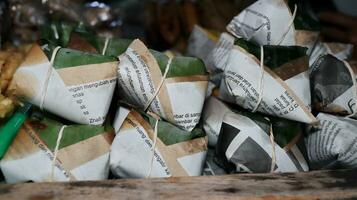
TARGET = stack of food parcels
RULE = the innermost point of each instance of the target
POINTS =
(272, 96)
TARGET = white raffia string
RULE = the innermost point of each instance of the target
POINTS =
(273, 159)
(59, 137)
(48, 76)
(105, 45)
(160, 84)
(288, 27)
(261, 85)
(354, 85)
(153, 149)
(55, 31)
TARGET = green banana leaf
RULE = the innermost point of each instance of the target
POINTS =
(70, 57)
(274, 56)
(180, 66)
(62, 30)
(47, 126)
(170, 134)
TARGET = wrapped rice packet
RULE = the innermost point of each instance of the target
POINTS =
(282, 89)
(341, 51)
(75, 85)
(276, 22)
(173, 88)
(245, 143)
(177, 152)
(83, 152)
(333, 85)
(333, 145)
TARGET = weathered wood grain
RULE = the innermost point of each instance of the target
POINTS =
(311, 185)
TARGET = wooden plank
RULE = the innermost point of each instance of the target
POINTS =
(312, 185)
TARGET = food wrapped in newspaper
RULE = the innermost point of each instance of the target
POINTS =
(277, 84)
(333, 145)
(75, 85)
(276, 22)
(173, 88)
(250, 142)
(201, 43)
(333, 85)
(341, 51)
(177, 152)
(45, 149)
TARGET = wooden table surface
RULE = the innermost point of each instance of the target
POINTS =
(311, 185)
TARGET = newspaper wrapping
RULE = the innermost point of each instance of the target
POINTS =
(177, 152)
(333, 85)
(283, 87)
(244, 144)
(78, 86)
(83, 152)
(334, 144)
(177, 86)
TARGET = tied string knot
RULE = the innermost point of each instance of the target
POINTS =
(261, 86)
(58, 142)
(148, 103)
(157, 118)
(48, 76)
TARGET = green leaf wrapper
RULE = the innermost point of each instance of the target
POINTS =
(170, 134)
(70, 58)
(48, 129)
(274, 56)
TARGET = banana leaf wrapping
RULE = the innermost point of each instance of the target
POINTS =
(284, 87)
(78, 87)
(271, 22)
(177, 152)
(140, 71)
(83, 152)
(333, 145)
(244, 143)
(181, 96)
(332, 85)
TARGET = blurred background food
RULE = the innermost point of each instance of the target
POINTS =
(162, 24)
